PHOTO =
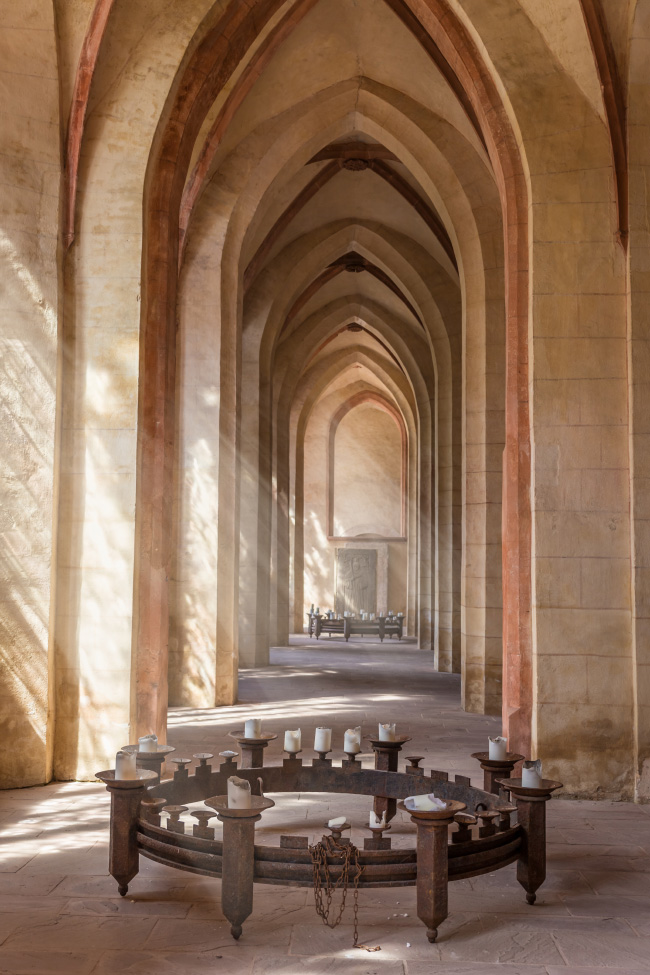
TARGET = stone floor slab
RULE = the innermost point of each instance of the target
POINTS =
(237, 960)
(469, 968)
(620, 906)
(200, 935)
(19, 962)
(619, 951)
(60, 932)
(327, 965)
(125, 907)
(580, 970)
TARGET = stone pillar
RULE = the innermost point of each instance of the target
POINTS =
(30, 165)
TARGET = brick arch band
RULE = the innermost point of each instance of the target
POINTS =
(206, 70)
(381, 403)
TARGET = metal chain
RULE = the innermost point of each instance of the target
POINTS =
(348, 855)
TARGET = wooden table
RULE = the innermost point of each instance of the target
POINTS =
(381, 626)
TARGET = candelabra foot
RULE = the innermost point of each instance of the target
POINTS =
(123, 890)
(236, 930)
(432, 934)
(531, 898)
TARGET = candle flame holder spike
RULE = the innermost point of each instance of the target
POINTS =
(322, 757)
(377, 841)
(351, 758)
(336, 831)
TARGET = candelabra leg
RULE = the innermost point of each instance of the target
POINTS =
(123, 857)
(531, 865)
(386, 760)
(496, 770)
(432, 873)
(237, 867)
(252, 756)
(531, 816)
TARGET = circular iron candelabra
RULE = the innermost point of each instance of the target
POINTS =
(450, 845)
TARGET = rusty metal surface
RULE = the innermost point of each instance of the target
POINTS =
(481, 838)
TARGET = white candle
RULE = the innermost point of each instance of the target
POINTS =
(125, 767)
(352, 741)
(400, 615)
(239, 793)
(375, 821)
(497, 748)
(148, 743)
(390, 612)
(253, 728)
(387, 732)
(336, 823)
(425, 803)
(292, 740)
(323, 739)
(531, 774)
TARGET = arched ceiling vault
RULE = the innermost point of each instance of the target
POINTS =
(598, 72)
(356, 366)
(419, 290)
(354, 157)
(386, 331)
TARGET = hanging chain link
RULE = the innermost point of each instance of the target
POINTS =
(346, 856)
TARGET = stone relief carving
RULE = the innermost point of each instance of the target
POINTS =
(356, 580)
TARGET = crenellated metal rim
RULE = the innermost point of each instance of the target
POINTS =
(293, 866)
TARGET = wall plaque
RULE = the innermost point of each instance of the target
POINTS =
(356, 580)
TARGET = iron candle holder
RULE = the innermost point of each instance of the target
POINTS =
(447, 847)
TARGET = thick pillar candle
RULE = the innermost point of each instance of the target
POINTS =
(253, 728)
(387, 732)
(323, 739)
(125, 765)
(292, 740)
(497, 748)
(531, 774)
(352, 741)
(375, 822)
(239, 793)
(148, 743)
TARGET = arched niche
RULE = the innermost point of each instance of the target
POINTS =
(367, 468)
